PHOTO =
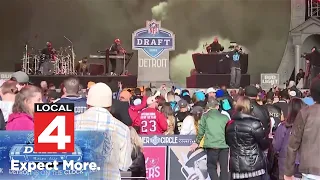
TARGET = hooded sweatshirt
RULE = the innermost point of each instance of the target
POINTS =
(20, 122)
(80, 103)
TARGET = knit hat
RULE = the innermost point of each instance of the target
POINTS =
(99, 95)
(90, 84)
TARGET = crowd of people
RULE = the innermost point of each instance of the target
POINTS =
(251, 133)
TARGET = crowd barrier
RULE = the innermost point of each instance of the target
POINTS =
(169, 157)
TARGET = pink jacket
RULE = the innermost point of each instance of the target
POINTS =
(20, 122)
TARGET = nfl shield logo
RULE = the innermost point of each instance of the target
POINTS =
(153, 28)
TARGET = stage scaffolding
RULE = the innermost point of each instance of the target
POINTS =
(313, 8)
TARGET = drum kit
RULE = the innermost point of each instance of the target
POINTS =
(60, 62)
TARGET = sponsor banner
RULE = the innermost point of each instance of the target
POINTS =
(184, 164)
(153, 44)
(156, 162)
(5, 75)
(170, 140)
(18, 160)
(268, 80)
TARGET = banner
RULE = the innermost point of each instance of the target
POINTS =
(156, 162)
(5, 75)
(268, 80)
(19, 161)
(169, 140)
(153, 44)
(184, 164)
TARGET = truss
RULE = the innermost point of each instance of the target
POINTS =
(313, 8)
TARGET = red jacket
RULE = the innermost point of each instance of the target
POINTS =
(134, 111)
(151, 121)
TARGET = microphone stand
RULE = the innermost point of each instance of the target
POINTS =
(72, 54)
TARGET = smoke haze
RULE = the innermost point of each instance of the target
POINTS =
(260, 26)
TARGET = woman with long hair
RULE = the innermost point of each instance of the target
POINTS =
(191, 122)
(169, 114)
(23, 108)
(138, 167)
(282, 134)
(247, 141)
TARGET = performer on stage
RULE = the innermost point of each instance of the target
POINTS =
(215, 46)
(235, 67)
(48, 54)
(115, 49)
(82, 67)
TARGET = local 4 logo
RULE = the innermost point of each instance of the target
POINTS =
(54, 127)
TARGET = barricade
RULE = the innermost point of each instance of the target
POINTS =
(169, 157)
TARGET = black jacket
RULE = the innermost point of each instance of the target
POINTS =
(275, 112)
(138, 166)
(247, 141)
(120, 110)
(261, 112)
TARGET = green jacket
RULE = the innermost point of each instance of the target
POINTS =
(212, 127)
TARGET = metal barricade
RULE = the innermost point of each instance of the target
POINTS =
(127, 175)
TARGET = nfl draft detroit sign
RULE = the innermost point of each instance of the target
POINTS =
(153, 44)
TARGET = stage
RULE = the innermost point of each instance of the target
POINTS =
(112, 81)
(211, 80)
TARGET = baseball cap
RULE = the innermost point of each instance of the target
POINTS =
(251, 91)
(212, 102)
(211, 90)
(20, 77)
(177, 91)
(182, 103)
(137, 102)
(153, 99)
(200, 95)
(292, 93)
(196, 110)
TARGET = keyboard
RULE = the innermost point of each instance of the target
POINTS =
(103, 56)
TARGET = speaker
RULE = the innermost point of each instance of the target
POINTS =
(96, 69)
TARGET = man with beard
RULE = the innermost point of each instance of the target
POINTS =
(115, 49)
(48, 54)
(181, 115)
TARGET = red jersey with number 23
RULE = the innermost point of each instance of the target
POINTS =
(152, 122)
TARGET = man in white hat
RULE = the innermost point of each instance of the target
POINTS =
(98, 118)
(211, 92)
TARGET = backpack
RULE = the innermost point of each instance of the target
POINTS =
(225, 104)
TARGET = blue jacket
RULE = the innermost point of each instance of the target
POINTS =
(80, 103)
